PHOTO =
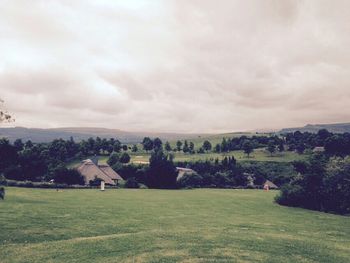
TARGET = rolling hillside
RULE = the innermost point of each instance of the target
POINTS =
(335, 128)
(47, 135)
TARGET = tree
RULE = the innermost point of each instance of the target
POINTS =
(271, 148)
(157, 143)
(162, 172)
(125, 147)
(4, 115)
(178, 145)
(280, 146)
(113, 159)
(206, 145)
(62, 175)
(147, 144)
(19, 145)
(300, 148)
(191, 147)
(167, 146)
(217, 148)
(185, 148)
(124, 158)
(28, 144)
(224, 145)
(8, 155)
(134, 148)
(247, 148)
(117, 146)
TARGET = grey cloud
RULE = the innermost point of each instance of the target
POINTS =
(198, 66)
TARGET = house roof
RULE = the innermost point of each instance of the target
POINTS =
(90, 171)
(318, 149)
(181, 171)
(110, 172)
(270, 184)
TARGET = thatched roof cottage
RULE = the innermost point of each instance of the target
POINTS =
(91, 170)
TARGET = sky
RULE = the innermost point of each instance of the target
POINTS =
(175, 65)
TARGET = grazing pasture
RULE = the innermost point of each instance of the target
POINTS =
(258, 155)
(204, 225)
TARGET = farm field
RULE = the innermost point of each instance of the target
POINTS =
(258, 155)
(204, 225)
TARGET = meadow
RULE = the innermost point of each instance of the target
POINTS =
(260, 155)
(204, 225)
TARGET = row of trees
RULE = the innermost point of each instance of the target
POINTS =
(334, 144)
(180, 146)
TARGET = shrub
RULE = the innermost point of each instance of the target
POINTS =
(190, 181)
(62, 175)
(3, 180)
(290, 195)
(113, 159)
(131, 183)
(2, 192)
(125, 158)
(95, 182)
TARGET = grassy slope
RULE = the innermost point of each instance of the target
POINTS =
(258, 155)
(165, 226)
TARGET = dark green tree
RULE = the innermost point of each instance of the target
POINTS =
(271, 148)
(178, 146)
(147, 144)
(162, 172)
(157, 143)
(185, 148)
(124, 158)
(167, 146)
(206, 146)
(248, 148)
(134, 148)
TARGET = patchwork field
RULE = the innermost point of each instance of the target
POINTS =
(207, 225)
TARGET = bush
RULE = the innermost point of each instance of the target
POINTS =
(125, 158)
(131, 183)
(95, 182)
(290, 195)
(62, 175)
(14, 173)
(3, 180)
(113, 159)
(2, 192)
(190, 181)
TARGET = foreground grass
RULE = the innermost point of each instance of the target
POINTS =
(42, 225)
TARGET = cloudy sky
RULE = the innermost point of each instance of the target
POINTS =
(182, 65)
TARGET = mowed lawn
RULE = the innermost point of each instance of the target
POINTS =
(204, 225)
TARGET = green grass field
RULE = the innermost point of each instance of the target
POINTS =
(206, 225)
(257, 155)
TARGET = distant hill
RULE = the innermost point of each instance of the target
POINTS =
(335, 128)
(47, 135)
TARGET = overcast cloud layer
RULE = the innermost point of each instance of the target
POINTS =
(185, 66)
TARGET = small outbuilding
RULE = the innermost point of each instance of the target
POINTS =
(181, 171)
(318, 149)
(269, 185)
